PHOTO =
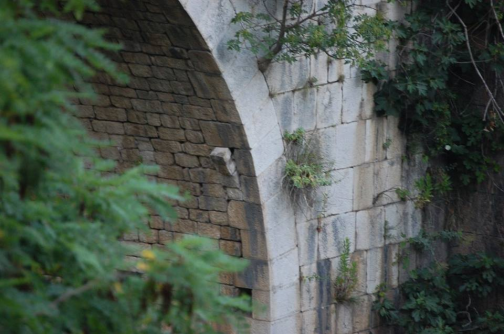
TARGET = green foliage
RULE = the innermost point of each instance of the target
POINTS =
(296, 137)
(304, 169)
(347, 279)
(448, 51)
(62, 213)
(444, 299)
(337, 29)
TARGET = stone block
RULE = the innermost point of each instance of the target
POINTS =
(108, 127)
(221, 158)
(171, 172)
(149, 236)
(170, 122)
(194, 137)
(203, 61)
(363, 186)
(197, 149)
(121, 102)
(153, 119)
(374, 269)
(212, 203)
(209, 231)
(163, 73)
(234, 194)
(245, 216)
(203, 175)
(159, 85)
(213, 190)
(329, 105)
(334, 230)
(136, 58)
(230, 247)
(189, 123)
(375, 139)
(140, 130)
(225, 111)
(282, 77)
(386, 180)
(353, 103)
(193, 188)
(122, 91)
(229, 233)
(147, 105)
(308, 238)
(361, 311)
(198, 215)
(224, 134)
(140, 70)
(285, 301)
(370, 228)
(84, 111)
(319, 68)
(171, 134)
(137, 117)
(166, 145)
(208, 86)
(254, 244)
(338, 197)
(182, 226)
(343, 146)
(344, 319)
(244, 162)
(173, 109)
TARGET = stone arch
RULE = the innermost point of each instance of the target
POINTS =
(188, 95)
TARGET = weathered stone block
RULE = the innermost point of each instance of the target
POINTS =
(108, 127)
(170, 121)
(225, 111)
(212, 203)
(137, 117)
(230, 247)
(189, 123)
(194, 137)
(171, 134)
(214, 190)
(186, 160)
(209, 87)
(329, 105)
(197, 149)
(203, 175)
(221, 158)
(171, 172)
(334, 230)
(229, 233)
(140, 130)
(198, 215)
(199, 112)
(370, 228)
(209, 231)
(224, 134)
(245, 216)
(166, 145)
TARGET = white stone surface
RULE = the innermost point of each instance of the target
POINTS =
(369, 227)
(329, 105)
(334, 230)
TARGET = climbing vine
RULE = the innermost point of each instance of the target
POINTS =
(447, 88)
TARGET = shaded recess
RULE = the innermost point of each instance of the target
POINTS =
(174, 111)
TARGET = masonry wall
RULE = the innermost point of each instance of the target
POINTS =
(174, 111)
(367, 153)
(188, 94)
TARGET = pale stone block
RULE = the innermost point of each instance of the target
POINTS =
(352, 99)
(361, 259)
(375, 138)
(285, 301)
(284, 108)
(413, 220)
(363, 186)
(281, 237)
(397, 147)
(329, 105)
(334, 230)
(269, 149)
(319, 68)
(394, 216)
(369, 227)
(282, 76)
(344, 145)
(259, 326)
(361, 313)
(307, 234)
(284, 270)
(337, 197)
(392, 276)
(338, 71)
(270, 181)
(305, 103)
(261, 304)
(374, 269)
(369, 89)
(344, 319)
(290, 324)
(309, 322)
(387, 180)
(309, 287)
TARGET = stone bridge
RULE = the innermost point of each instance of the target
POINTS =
(189, 94)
